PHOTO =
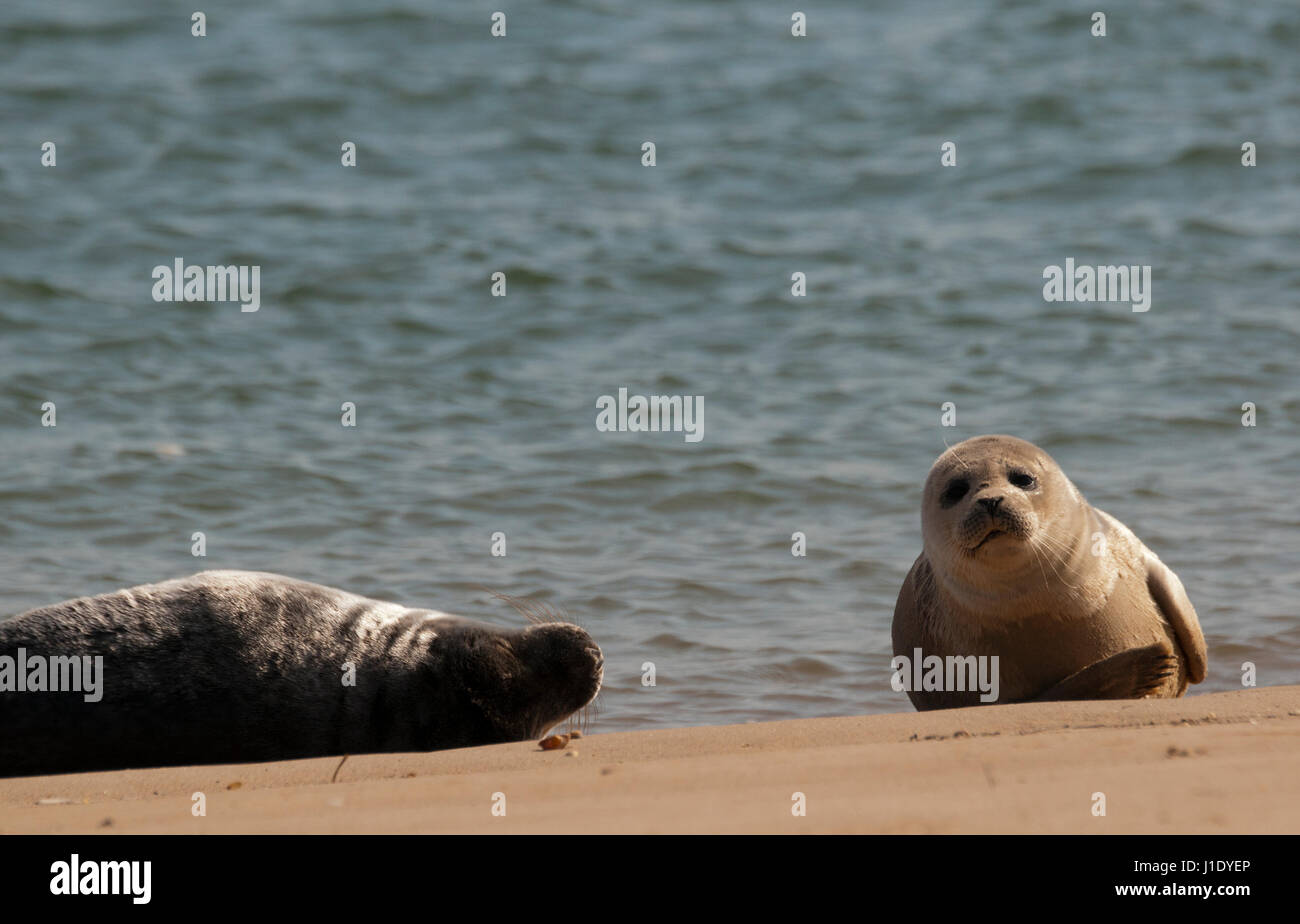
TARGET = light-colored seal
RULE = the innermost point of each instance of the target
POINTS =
(230, 666)
(1016, 564)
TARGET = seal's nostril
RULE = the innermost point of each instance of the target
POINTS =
(989, 503)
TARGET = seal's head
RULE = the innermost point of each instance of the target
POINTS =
(520, 682)
(995, 504)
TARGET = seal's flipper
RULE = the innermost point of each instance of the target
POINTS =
(1169, 595)
(1130, 674)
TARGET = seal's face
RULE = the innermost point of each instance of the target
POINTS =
(565, 670)
(987, 501)
(520, 682)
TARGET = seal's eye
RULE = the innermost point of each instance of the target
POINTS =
(955, 491)
(1022, 480)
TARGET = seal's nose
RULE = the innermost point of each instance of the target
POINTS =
(990, 504)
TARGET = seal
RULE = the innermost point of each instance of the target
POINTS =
(236, 666)
(1016, 564)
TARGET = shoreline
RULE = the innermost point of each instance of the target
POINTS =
(1208, 763)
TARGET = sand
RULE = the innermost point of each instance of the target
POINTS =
(1213, 763)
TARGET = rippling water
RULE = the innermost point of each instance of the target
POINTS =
(522, 155)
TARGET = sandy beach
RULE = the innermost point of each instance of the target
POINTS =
(1215, 763)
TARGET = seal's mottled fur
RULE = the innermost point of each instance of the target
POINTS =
(228, 666)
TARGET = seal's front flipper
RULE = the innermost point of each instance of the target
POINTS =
(1170, 596)
(1130, 674)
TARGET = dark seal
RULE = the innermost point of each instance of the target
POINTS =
(235, 666)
